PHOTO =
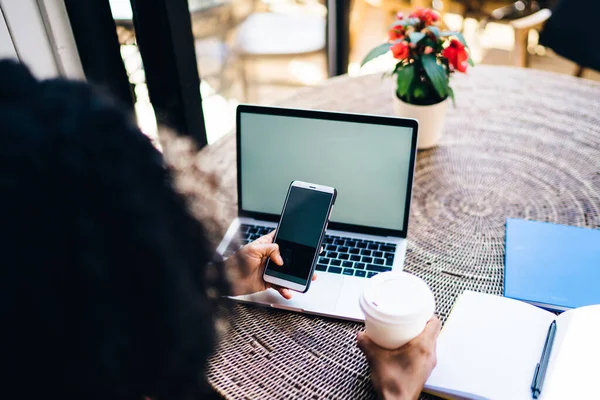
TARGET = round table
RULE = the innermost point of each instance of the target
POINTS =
(519, 144)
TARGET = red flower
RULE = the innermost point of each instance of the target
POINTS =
(457, 55)
(396, 33)
(400, 50)
(426, 15)
(417, 13)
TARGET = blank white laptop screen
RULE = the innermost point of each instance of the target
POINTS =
(367, 163)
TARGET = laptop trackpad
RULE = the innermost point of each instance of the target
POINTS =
(322, 296)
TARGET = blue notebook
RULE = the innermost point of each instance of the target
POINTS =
(556, 267)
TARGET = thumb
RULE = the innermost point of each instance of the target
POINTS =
(270, 250)
(432, 330)
(366, 345)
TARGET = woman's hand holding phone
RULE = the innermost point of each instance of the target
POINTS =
(246, 267)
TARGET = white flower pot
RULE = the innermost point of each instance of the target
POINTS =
(431, 120)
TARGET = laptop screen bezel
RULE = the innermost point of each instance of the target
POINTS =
(330, 116)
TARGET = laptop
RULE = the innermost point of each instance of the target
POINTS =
(369, 159)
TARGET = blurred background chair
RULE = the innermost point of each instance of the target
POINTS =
(494, 10)
(561, 29)
(285, 30)
(522, 27)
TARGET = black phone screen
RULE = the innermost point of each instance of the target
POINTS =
(299, 233)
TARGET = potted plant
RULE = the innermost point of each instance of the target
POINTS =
(426, 57)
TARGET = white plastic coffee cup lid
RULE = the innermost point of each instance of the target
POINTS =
(397, 297)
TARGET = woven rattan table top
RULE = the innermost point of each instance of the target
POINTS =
(520, 143)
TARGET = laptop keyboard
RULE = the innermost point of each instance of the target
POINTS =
(341, 255)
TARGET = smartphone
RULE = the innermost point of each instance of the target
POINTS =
(300, 233)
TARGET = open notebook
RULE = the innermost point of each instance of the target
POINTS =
(490, 345)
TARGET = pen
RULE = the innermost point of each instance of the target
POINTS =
(542, 366)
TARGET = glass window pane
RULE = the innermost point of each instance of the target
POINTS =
(122, 14)
(251, 51)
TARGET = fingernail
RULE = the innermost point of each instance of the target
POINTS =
(279, 260)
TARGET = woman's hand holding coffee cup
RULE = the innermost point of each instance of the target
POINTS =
(402, 373)
(401, 333)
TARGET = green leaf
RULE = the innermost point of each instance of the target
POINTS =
(405, 22)
(435, 30)
(470, 61)
(436, 74)
(405, 77)
(451, 95)
(461, 38)
(416, 37)
(420, 91)
(376, 52)
(458, 35)
(446, 64)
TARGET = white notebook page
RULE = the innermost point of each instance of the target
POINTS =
(574, 370)
(495, 359)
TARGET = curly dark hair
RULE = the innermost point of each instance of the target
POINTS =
(104, 287)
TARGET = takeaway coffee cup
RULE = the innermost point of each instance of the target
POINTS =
(397, 306)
